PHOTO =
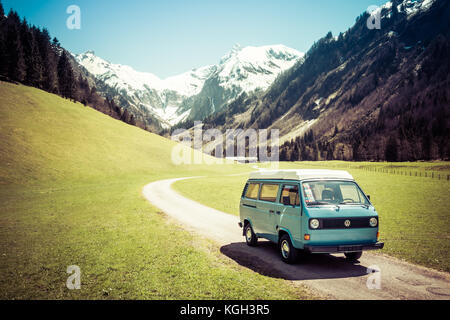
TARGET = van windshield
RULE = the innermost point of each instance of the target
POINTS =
(333, 193)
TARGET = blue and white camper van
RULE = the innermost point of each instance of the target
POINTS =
(315, 211)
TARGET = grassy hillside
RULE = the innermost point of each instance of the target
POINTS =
(415, 221)
(70, 189)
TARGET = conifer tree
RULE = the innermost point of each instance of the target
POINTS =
(55, 43)
(3, 56)
(65, 77)
(14, 51)
(32, 58)
(2, 12)
(395, 13)
(391, 151)
(48, 61)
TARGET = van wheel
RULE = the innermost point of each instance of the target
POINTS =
(353, 256)
(288, 253)
(250, 236)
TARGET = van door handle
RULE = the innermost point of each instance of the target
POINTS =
(278, 212)
(271, 211)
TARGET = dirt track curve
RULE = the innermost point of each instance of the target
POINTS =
(328, 275)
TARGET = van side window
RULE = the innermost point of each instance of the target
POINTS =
(244, 191)
(290, 195)
(269, 192)
(252, 191)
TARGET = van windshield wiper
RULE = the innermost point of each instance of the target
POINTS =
(354, 204)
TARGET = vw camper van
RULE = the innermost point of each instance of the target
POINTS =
(309, 211)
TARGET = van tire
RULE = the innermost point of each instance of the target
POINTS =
(250, 237)
(289, 254)
(353, 256)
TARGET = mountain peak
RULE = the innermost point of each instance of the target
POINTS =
(236, 47)
(253, 54)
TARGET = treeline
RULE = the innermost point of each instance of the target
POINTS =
(305, 148)
(28, 55)
(409, 132)
(402, 132)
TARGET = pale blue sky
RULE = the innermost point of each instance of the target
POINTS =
(168, 37)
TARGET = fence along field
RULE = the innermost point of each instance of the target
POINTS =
(434, 170)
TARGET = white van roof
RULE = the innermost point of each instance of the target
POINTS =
(301, 174)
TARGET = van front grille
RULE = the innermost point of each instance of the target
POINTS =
(345, 223)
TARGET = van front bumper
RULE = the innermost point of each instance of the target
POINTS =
(344, 248)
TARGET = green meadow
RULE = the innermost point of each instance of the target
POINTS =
(70, 192)
(413, 206)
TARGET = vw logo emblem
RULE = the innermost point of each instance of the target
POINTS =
(347, 223)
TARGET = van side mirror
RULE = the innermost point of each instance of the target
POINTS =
(286, 201)
(368, 197)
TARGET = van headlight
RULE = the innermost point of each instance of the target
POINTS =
(373, 222)
(314, 223)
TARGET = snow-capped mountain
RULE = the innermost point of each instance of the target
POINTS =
(242, 70)
(409, 7)
(171, 100)
(253, 68)
(145, 90)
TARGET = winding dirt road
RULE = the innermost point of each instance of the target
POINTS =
(328, 275)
